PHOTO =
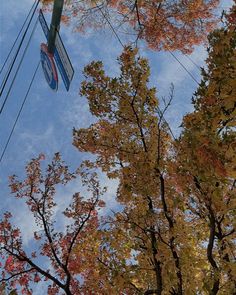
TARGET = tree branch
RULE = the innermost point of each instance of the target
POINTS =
(46, 274)
(15, 275)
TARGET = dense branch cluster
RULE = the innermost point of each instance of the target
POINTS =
(163, 24)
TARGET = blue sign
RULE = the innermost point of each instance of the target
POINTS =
(49, 68)
(61, 57)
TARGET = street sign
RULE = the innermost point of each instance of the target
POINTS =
(63, 62)
(49, 67)
(61, 57)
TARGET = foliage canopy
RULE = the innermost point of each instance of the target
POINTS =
(175, 233)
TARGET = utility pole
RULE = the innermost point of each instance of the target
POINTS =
(55, 24)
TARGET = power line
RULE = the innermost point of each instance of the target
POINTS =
(193, 62)
(17, 70)
(6, 60)
(118, 38)
(19, 113)
(111, 26)
(182, 65)
(17, 52)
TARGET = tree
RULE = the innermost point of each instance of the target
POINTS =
(169, 25)
(164, 24)
(152, 246)
(21, 269)
(207, 155)
(176, 233)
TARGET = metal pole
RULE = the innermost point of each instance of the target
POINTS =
(55, 24)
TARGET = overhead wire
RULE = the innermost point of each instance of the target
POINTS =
(187, 56)
(183, 66)
(3, 85)
(192, 61)
(13, 45)
(118, 38)
(18, 114)
(111, 26)
(18, 68)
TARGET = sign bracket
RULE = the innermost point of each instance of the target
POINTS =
(55, 24)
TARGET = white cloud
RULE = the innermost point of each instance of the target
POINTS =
(64, 195)
(34, 141)
(10, 12)
(23, 219)
(77, 113)
(166, 70)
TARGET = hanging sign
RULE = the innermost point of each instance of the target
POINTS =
(49, 67)
(61, 57)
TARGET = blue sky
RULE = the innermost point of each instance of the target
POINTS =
(48, 117)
